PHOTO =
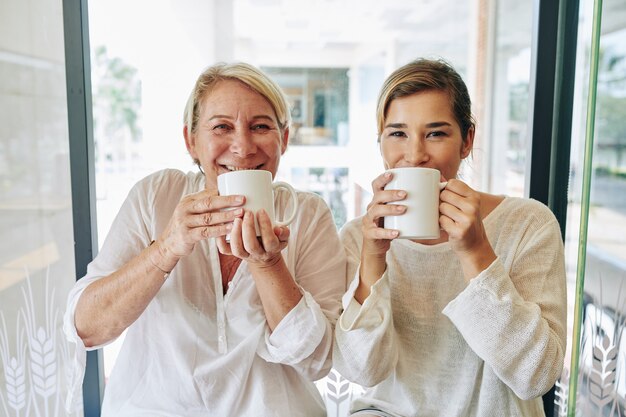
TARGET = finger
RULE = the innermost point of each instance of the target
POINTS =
(376, 213)
(282, 233)
(213, 217)
(205, 232)
(236, 240)
(448, 225)
(459, 187)
(387, 196)
(209, 203)
(451, 211)
(382, 180)
(467, 204)
(270, 241)
(379, 233)
(223, 246)
(248, 232)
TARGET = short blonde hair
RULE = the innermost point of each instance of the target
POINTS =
(247, 74)
(422, 75)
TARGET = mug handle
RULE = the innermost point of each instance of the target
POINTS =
(294, 196)
(442, 185)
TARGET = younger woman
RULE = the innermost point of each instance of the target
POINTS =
(472, 323)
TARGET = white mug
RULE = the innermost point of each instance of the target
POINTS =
(258, 188)
(421, 218)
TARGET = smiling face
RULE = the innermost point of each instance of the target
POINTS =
(237, 129)
(420, 130)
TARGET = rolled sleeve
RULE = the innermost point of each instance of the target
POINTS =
(297, 335)
(366, 351)
(372, 312)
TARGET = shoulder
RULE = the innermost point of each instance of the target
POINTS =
(170, 182)
(527, 207)
(524, 217)
(353, 226)
(170, 178)
(351, 232)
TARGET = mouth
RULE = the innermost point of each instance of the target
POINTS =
(239, 168)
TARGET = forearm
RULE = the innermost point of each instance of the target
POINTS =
(277, 289)
(371, 269)
(108, 306)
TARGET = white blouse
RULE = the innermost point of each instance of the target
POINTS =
(197, 352)
(430, 345)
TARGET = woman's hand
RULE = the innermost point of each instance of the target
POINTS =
(377, 239)
(197, 217)
(460, 217)
(262, 251)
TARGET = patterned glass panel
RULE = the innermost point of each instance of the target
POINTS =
(36, 236)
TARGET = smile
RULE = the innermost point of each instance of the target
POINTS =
(234, 168)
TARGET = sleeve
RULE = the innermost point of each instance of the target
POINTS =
(304, 338)
(514, 318)
(365, 334)
(127, 237)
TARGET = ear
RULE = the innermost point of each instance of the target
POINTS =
(190, 142)
(284, 141)
(468, 143)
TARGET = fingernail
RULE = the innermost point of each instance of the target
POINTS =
(400, 208)
(239, 199)
(401, 194)
(238, 212)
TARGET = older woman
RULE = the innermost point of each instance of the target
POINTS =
(238, 328)
(471, 324)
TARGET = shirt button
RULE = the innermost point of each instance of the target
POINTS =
(221, 339)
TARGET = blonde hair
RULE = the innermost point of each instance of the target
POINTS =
(247, 74)
(422, 75)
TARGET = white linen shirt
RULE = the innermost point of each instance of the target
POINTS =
(197, 352)
(430, 345)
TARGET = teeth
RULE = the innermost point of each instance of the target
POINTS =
(232, 168)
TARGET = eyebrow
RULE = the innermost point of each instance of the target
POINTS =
(257, 117)
(428, 125)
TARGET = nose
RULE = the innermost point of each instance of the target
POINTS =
(242, 143)
(416, 153)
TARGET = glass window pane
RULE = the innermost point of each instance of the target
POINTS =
(601, 378)
(36, 232)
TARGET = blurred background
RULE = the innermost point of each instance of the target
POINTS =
(330, 57)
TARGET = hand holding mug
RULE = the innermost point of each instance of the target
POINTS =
(259, 235)
(197, 217)
(423, 188)
(461, 218)
(376, 239)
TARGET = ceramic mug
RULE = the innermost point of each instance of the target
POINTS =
(258, 188)
(421, 218)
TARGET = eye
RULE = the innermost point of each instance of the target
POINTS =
(397, 134)
(222, 126)
(261, 127)
(435, 134)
